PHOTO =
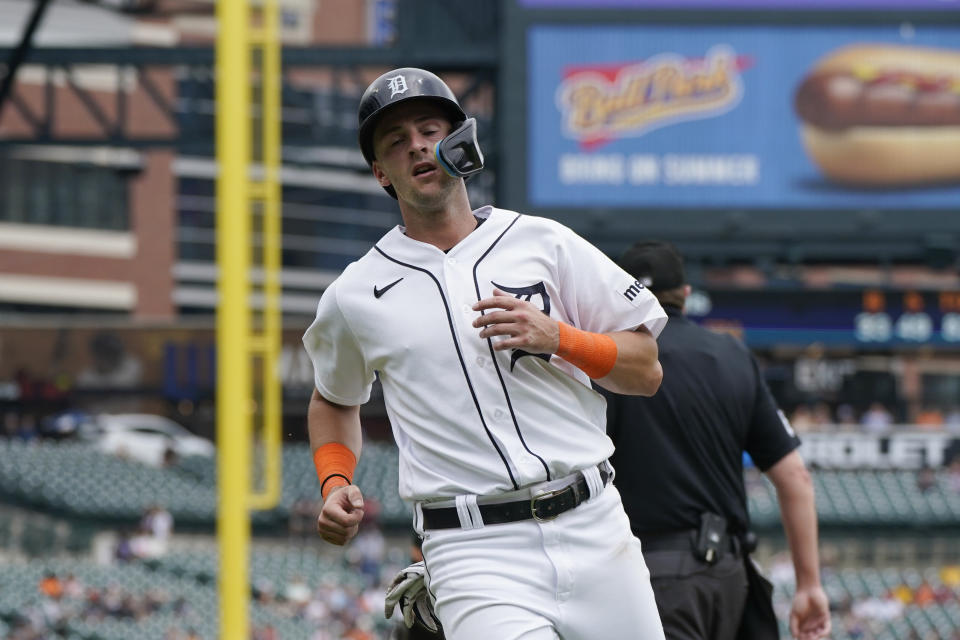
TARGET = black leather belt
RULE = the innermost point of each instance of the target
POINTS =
(541, 507)
(680, 541)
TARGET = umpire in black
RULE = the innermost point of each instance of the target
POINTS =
(679, 462)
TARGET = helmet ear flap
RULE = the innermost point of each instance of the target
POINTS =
(459, 152)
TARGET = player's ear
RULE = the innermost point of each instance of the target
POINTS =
(379, 174)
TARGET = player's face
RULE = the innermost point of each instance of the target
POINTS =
(403, 144)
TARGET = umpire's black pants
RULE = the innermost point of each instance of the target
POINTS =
(698, 601)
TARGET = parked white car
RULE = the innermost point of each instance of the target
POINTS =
(144, 437)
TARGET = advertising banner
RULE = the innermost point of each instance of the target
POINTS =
(803, 117)
(898, 450)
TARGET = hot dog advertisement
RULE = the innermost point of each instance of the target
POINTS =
(883, 115)
(806, 116)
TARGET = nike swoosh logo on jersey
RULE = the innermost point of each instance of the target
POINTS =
(379, 292)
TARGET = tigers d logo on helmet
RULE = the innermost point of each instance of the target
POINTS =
(394, 87)
(397, 84)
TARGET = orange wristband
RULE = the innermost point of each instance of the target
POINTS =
(593, 353)
(335, 464)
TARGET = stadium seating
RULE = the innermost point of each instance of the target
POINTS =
(274, 566)
(187, 577)
(178, 578)
(849, 589)
(866, 497)
(76, 480)
(19, 596)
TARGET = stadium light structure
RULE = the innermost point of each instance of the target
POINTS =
(126, 6)
(23, 48)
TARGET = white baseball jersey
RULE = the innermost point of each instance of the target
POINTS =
(468, 419)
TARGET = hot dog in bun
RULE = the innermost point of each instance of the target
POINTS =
(883, 115)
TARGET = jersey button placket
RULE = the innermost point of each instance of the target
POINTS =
(453, 281)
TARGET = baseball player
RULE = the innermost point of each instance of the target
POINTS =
(485, 328)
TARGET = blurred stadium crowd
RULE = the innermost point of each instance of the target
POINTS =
(876, 419)
(120, 545)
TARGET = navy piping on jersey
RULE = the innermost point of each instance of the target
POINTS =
(503, 385)
(463, 365)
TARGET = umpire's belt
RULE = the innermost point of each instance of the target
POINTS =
(541, 502)
(681, 541)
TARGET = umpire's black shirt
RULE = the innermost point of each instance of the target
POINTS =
(680, 452)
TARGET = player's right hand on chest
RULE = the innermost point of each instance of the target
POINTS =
(341, 515)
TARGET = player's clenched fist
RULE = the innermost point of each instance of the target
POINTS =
(810, 614)
(525, 326)
(341, 514)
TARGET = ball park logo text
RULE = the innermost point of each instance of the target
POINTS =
(600, 103)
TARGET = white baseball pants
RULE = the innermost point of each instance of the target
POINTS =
(578, 577)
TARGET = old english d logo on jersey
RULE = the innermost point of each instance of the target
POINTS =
(398, 85)
(527, 293)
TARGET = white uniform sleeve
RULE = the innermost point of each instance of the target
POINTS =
(339, 368)
(601, 297)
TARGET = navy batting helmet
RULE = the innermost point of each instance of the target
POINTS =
(397, 86)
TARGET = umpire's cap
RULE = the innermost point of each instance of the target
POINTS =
(657, 264)
(394, 87)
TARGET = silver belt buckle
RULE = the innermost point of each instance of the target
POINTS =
(543, 496)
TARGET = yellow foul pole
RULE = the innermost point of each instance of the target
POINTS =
(268, 191)
(234, 419)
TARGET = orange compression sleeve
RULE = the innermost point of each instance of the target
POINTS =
(335, 464)
(593, 353)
